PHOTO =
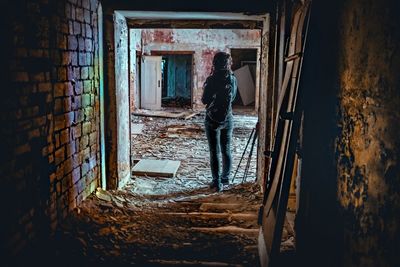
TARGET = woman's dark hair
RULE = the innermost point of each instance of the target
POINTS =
(221, 61)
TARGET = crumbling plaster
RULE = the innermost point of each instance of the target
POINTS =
(203, 42)
(368, 146)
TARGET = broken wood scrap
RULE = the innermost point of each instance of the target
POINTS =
(157, 113)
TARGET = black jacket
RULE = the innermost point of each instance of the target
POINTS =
(219, 91)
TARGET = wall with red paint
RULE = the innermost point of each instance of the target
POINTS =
(204, 43)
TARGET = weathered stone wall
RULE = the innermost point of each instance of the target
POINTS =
(49, 115)
(368, 145)
(204, 43)
(350, 201)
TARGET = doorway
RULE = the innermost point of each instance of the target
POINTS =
(176, 76)
(166, 80)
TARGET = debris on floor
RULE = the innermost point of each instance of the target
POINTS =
(177, 221)
(185, 229)
(186, 142)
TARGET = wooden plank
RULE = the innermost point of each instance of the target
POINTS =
(151, 167)
(159, 113)
(166, 114)
(275, 199)
(190, 115)
(245, 85)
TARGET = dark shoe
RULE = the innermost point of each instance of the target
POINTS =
(217, 185)
(225, 181)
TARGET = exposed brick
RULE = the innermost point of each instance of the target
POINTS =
(88, 31)
(77, 28)
(50, 62)
(59, 155)
(85, 75)
(59, 89)
(62, 74)
(76, 175)
(66, 183)
(81, 44)
(86, 4)
(82, 59)
(76, 132)
(79, 116)
(68, 164)
(72, 42)
(64, 136)
(79, 14)
(87, 85)
(85, 168)
(84, 142)
(65, 58)
(86, 100)
(67, 105)
(77, 102)
(71, 149)
(59, 122)
(44, 87)
(74, 58)
(87, 16)
(78, 88)
(86, 128)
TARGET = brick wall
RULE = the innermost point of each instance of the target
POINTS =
(49, 115)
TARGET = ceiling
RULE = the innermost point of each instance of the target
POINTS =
(237, 6)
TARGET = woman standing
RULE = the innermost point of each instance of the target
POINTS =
(219, 92)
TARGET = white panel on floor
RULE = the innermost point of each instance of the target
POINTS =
(151, 167)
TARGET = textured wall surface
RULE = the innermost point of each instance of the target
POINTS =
(49, 115)
(122, 98)
(368, 146)
(350, 201)
(204, 43)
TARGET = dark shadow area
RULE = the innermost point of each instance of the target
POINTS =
(318, 223)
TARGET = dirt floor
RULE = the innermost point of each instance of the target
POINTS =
(178, 221)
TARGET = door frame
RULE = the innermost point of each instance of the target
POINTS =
(186, 52)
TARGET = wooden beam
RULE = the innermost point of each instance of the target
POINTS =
(193, 24)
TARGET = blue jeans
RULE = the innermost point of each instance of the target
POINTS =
(219, 136)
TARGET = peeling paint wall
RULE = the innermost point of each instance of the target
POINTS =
(204, 42)
(134, 46)
(122, 98)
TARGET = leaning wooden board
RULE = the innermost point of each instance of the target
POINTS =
(286, 134)
(156, 168)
